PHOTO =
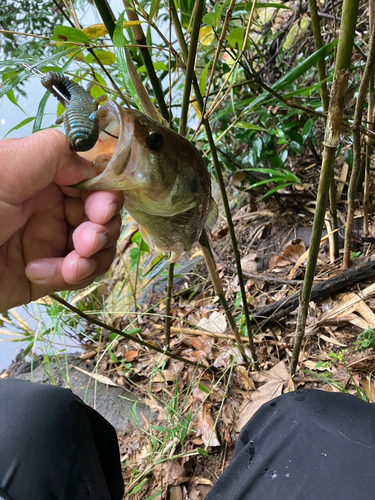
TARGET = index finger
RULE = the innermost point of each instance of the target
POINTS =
(32, 163)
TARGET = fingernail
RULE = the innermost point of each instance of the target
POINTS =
(40, 272)
(86, 267)
(111, 211)
(101, 240)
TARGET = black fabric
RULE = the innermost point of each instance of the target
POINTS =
(54, 447)
(304, 445)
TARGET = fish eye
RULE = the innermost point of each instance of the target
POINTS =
(155, 141)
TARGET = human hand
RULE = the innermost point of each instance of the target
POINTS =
(51, 238)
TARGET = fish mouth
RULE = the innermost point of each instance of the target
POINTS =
(112, 177)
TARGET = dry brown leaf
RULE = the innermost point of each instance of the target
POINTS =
(249, 263)
(202, 480)
(247, 382)
(196, 343)
(215, 323)
(202, 300)
(165, 376)
(131, 355)
(274, 381)
(170, 473)
(331, 340)
(99, 378)
(369, 388)
(84, 293)
(291, 253)
(206, 426)
(88, 355)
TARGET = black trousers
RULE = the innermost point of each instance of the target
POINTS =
(54, 447)
(305, 445)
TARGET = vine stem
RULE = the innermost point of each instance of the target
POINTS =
(362, 93)
(203, 239)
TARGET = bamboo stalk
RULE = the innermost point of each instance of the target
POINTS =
(331, 141)
(325, 102)
(140, 40)
(362, 93)
(110, 24)
(371, 126)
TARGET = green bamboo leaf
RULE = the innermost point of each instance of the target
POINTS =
(154, 9)
(266, 181)
(21, 124)
(138, 486)
(155, 495)
(250, 126)
(203, 79)
(24, 74)
(60, 109)
(12, 98)
(277, 188)
(295, 73)
(40, 113)
(69, 34)
(119, 50)
(220, 12)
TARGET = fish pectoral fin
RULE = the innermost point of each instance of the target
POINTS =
(212, 214)
(145, 237)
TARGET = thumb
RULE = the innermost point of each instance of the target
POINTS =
(30, 164)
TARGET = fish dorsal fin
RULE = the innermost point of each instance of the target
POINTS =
(212, 214)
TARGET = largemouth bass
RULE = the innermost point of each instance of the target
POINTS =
(165, 181)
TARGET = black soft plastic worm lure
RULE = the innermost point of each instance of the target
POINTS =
(81, 116)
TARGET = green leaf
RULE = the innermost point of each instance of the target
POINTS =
(24, 74)
(154, 9)
(220, 11)
(134, 413)
(119, 49)
(348, 157)
(203, 452)
(236, 38)
(274, 190)
(295, 73)
(155, 495)
(210, 19)
(70, 34)
(203, 388)
(295, 147)
(307, 128)
(250, 126)
(60, 109)
(138, 487)
(40, 113)
(12, 98)
(159, 66)
(203, 79)
(106, 57)
(21, 124)
(258, 145)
